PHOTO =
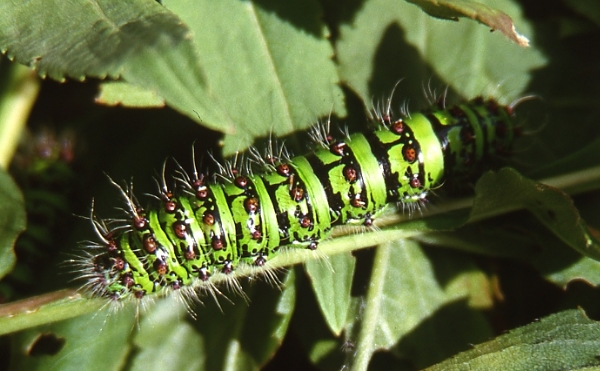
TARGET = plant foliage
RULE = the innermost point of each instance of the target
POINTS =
(143, 80)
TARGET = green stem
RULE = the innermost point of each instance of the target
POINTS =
(392, 226)
(17, 98)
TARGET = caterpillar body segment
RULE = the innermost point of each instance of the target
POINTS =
(206, 228)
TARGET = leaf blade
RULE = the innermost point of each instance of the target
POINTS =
(494, 18)
(265, 85)
(566, 340)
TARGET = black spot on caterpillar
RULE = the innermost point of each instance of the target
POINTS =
(209, 226)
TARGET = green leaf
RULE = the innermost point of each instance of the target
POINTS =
(482, 13)
(292, 83)
(121, 93)
(169, 324)
(98, 341)
(373, 56)
(428, 296)
(221, 336)
(244, 335)
(309, 324)
(272, 71)
(566, 341)
(138, 40)
(82, 38)
(553, 207)
(405, 290)
(332, 282)
(561, 265)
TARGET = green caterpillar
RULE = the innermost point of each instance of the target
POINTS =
(206, 228)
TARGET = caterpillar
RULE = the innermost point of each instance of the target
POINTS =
(209, 226)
